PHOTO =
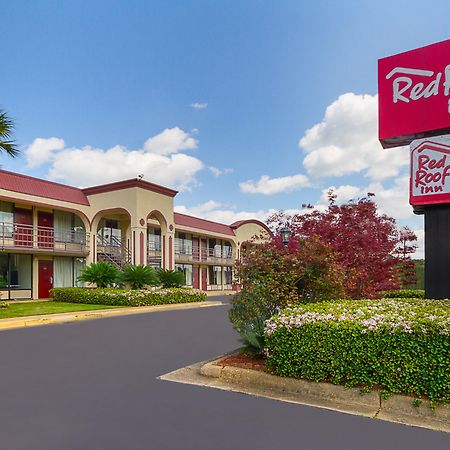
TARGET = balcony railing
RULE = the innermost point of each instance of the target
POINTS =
(19, 236)
(185, 252)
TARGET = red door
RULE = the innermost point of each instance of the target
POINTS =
(195, 278)
(45, 230)
(195, 250)
(45, 278)
(204, 249)
(23, 228)
(204, 280)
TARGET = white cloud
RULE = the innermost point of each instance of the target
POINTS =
(219, 212)
(171, 140)
(269, 186)
(198, 105)
(41, 150)
(159, 161)
(393, 201)
(89, 166)
(346, 141)
(217, 172)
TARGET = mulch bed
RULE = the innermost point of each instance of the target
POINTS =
(244, 362)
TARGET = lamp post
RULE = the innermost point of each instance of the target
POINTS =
(285, 235)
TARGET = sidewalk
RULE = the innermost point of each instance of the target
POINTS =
(51, 319)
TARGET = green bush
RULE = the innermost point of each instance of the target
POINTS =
(170, 278)
(138, 276)
(252, 336)
(4, 305)
(404, 293)
(399, 346)
(102, 274)
(122, 297)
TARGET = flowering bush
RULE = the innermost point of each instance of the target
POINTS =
(400, 345)
(122, 297)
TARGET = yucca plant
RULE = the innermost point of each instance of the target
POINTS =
(101, 273)
(170, 278)
(252, 336)
(138, 276)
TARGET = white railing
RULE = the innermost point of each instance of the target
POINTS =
(18, 236)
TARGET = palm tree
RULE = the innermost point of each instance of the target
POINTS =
(6, 130)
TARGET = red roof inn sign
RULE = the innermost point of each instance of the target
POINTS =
(414, 94)
(414, 108)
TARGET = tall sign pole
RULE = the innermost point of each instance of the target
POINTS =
(414, 109)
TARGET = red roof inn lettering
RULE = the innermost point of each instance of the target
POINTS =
(414, 94)
(430, 172)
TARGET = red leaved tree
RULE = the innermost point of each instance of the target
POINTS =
(365, 242)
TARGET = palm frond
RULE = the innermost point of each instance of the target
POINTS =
(6, 132)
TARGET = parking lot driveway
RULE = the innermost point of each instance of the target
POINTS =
(93, 386)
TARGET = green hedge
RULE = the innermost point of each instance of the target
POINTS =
(400, 346)
(122, 297)
(404, 293)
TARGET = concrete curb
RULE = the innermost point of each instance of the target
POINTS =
(50, 319)
(398, 408)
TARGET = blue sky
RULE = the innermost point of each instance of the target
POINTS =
(210, 96)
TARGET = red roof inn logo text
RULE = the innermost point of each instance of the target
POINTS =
(430, 173)
(414, 94)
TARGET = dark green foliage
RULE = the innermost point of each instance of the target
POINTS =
(7, 144)
(170, 278)
(252, 336)
(404, 293)
(137, 277)
(122, 297)
(102, 274)
(416, 363)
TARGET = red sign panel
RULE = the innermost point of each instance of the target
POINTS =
(430, 171)
(414, 94)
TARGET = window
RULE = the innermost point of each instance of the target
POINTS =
(154, 239)
(6, 219)
(183, 243)
(109, 233)
(15, 275)
(227, 250)
(66, 271)
(187, 271)
(215, 275)
(227, 275)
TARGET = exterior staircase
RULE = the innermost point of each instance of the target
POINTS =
(113, 251)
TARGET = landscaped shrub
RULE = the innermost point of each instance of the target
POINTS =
(122, 297)
(137, 277)
(404, 293)
(273, 277)
(102, 274)
(170, 278)
(400, 346)
(4, 305)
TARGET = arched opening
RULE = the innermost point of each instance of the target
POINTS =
(112, 228)
(156, 236)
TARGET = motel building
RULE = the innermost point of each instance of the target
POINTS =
(49, 232)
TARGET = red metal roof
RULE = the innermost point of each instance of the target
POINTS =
(25, 184)
(202, 224)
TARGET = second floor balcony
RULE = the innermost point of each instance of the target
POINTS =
(16, 236)
(186, 252)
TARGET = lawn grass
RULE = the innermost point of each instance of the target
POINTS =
(35, 308)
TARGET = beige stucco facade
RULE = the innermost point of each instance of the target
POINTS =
(126, 222)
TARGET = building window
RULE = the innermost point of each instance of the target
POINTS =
(183, 244)
(66, 271)
(15, 275)
(154, 239)
(6, 219)
(227, 275)
(187, 271)
(215, 275)
(109, 233)
(69, 228)
(227, 250)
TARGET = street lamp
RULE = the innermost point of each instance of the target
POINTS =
(285, 235)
